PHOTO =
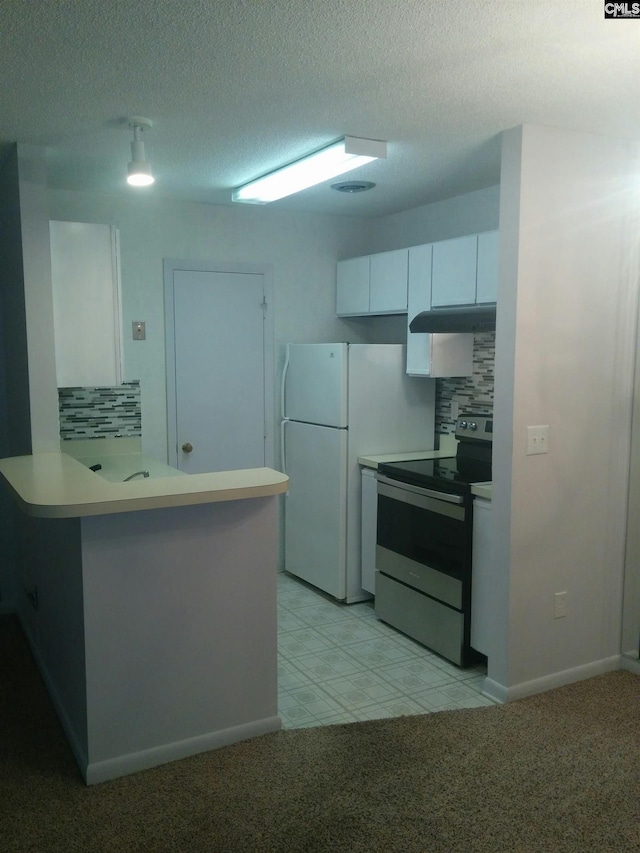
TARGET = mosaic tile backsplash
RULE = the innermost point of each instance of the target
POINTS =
(100, 412)
(474, 393)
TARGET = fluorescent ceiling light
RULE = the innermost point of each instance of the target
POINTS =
(342, 156)
(139, 170)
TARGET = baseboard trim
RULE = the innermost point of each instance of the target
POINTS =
(500, 693)
(494, 691)
(123, 765)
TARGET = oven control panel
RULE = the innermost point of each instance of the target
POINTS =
(479, 427)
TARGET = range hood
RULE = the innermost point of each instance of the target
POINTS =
(470, 318)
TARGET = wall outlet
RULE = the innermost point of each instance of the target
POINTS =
(455, 410)
(560, 605)
(537, 440)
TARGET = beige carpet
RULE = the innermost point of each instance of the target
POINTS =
(556, 772)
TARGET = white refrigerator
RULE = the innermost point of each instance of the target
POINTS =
(341, 401)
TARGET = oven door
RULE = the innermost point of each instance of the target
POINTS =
(425, 527)
(423, 565)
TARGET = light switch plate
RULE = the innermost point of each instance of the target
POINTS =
(139, 331)
(537, 439)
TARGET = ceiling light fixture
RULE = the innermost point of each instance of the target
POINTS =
(342, 156)
(139, 170)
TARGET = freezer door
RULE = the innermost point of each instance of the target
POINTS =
(315, 506)
(315, 384)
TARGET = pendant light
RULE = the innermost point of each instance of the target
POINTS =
(139, 170)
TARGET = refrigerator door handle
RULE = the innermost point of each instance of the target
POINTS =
(283, 459)
(282, 387)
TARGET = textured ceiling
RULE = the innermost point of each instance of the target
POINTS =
(237, 87)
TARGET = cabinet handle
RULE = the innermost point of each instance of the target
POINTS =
(187, 447)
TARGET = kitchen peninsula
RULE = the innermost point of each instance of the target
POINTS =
(150, 606)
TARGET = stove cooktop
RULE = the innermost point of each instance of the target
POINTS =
(451, 473)
(454, 474)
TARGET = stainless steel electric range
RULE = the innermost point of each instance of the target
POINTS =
(424, 542)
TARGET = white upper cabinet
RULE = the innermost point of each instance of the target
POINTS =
(86, 304)
(352, 293)
(432, 355)
(388, 282)
(458, 272)
(454, 272)
(487, 276)
(374, 284)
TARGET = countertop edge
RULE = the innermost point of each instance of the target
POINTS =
(57, 486)
(482, 490)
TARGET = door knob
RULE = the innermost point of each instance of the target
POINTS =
(187, 447)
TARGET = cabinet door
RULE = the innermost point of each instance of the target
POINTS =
(86, 304)
(432, 355)
(388, 282)
(352, 286)
(487, 276)
(454, 272)
(419, 299)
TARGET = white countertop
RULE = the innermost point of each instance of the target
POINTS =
(55, 485)
(374, 461)
(482, 490)
(448, 447)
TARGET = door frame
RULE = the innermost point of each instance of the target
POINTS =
(170, 265)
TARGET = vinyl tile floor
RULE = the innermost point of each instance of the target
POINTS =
(337, 663)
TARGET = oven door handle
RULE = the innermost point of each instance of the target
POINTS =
(419, 490)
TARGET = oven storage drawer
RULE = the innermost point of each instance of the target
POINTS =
(421, 577)
(431, 623)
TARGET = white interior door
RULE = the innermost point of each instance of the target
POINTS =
(217, 369)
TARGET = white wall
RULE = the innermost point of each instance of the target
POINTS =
(38, 298)
(631, 610)
(453, 217)
(564, 357)
(302, 250)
